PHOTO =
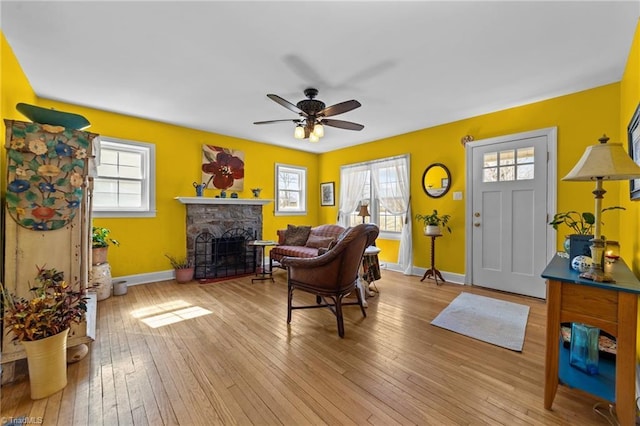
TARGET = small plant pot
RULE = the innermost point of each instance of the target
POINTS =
(119, 288)
(184, 275)
(432, 230)
(99, 255)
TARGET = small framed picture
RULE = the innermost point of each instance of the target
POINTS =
(327, 194)
(444, 182)
(634, 151)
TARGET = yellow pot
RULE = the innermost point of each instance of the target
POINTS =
(47, 360)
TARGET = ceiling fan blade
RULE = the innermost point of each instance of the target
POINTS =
(341, 124)
(294, 120)
(340, 108)
(286, 104)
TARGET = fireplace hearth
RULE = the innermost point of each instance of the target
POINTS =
(225, 256)
(218, 230)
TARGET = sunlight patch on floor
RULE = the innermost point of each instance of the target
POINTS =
(168, 313)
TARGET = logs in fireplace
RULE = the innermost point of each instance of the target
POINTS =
(225, 256)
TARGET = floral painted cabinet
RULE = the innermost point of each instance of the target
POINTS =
(47, 212)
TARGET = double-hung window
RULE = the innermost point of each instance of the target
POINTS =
(125, 181)
(291, 190)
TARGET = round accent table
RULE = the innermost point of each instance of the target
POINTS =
(264, 274)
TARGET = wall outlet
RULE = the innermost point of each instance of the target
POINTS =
(457, 195)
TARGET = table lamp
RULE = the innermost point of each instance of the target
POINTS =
(605, 161)
(364, 212)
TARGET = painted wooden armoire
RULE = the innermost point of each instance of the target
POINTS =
(47, 216)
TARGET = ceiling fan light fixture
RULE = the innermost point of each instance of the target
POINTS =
(299, 132)
(318, 130)
(313, 137)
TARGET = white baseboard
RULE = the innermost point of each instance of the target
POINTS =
(449, 277)
(150, 277)
(168, 275)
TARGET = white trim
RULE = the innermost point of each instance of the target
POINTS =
(551, 134)
(304, 193)
(147, 278)
(449, 277)
(210, 200)
(149, 187)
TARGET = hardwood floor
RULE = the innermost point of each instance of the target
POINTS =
(222, 354)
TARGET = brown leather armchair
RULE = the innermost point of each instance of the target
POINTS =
(333, 274)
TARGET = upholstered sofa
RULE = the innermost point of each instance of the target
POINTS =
(291, 242)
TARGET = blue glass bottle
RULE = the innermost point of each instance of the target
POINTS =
(584, 348)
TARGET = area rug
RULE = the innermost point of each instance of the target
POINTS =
(484, 318)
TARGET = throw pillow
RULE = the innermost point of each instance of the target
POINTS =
(315, 241)
(296, 235)
(337, 240)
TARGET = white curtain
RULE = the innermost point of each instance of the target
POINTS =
(352, 181)
(390, 179)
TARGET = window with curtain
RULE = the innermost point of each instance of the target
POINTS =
(383, 186)
(385, 202)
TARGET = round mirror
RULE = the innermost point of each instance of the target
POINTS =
(436, 180)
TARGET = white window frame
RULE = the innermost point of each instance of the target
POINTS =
(148, 152)
(374, 202)
(302, 172)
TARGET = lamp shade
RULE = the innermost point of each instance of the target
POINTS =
(364, 211)
(608, 161)
(299, 132)
(318, 130)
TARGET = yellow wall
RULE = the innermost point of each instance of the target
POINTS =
(14, 88)
(629, 100)
(178, 158)
(581, 118)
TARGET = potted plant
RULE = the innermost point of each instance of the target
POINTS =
(42, 325)
(183, 267)
(432, 222)
(100, 242)
(579, 223)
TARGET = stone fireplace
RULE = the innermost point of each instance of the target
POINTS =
(217, 232)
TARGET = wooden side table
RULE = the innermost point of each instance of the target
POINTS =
(612, 307)
(265, 274)
(432, 272)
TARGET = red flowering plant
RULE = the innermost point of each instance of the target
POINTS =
(223, 166)
(54, 307)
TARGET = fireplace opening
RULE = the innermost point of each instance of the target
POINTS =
(225, 256)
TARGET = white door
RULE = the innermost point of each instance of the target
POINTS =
(509, 206)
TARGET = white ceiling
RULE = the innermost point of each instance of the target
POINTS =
(412, 65)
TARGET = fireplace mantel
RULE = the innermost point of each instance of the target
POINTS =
(212, 200)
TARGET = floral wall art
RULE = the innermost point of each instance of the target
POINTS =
(222, 168)
(45, 173)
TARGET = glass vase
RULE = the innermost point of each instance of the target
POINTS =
(584, 348)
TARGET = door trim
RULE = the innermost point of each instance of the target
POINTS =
(551, 134)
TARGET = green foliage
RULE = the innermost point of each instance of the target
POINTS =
(179, 262)
(435, 219)
(54, 307)
(100, 238)
(579, 223)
